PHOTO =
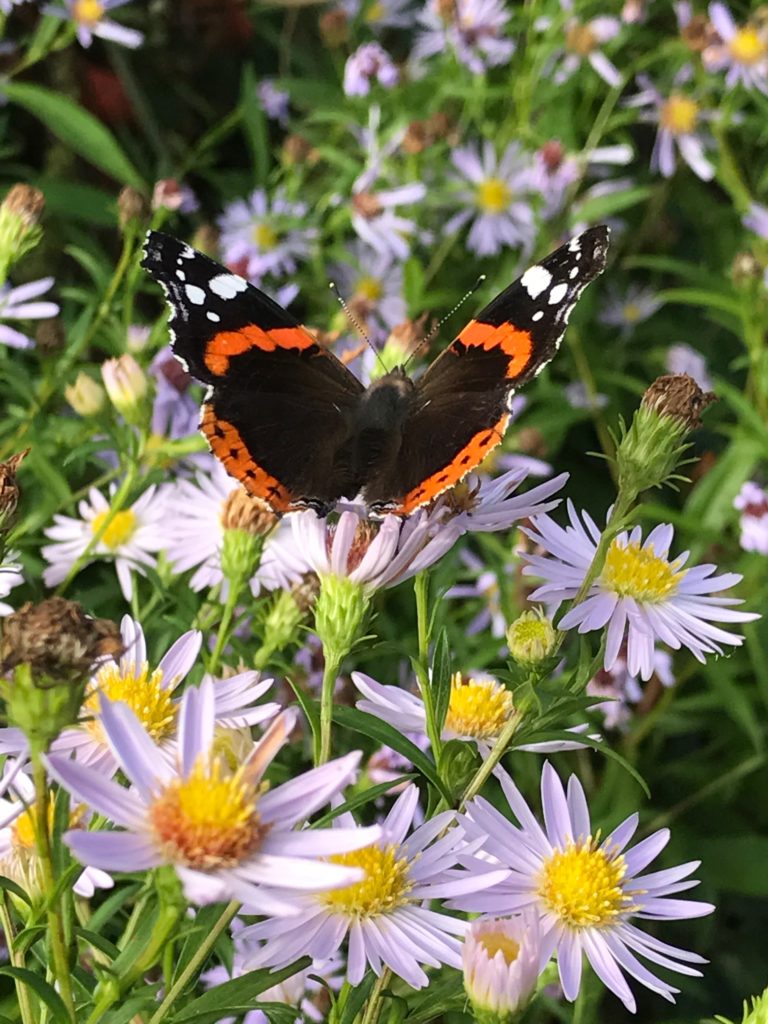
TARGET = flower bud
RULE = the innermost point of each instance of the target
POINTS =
(531, 638)
(126, 386)
(334, 27)
(340, 612)
(501, 966)
(85, 396)
(20, 230)
(50, 336)
(247, 523)
(9, 491)
(650, 449)
(132, 208)
(49, 650)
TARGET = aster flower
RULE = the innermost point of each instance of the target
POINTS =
(381, 14)
(496, 201)
(261, 236)
(89, 19)
(130, 541)
(742, 51)
(552, 175)
(171, 194)
(19, 859)
(225, 837)
(756, 219)
(198, 515)
(16, 304)
(583, 41)
(619, 690)
(639, 594)
(372, 285)
(585, 892)
(375, 218)
(369, 61)
(473, 29)
(274, 101)
(480, 505)
(386, 915)
(628, 310)
(149, 693)
(752, 502)
(679, 118)
(501, 965)
(579, 398)
(486, 588)
(681, 358)
(10, 576)
(478, 709)
(175, 413)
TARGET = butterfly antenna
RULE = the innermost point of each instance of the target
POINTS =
(428, 337)
(354, 321)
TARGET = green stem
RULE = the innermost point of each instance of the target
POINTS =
(115, 505)
(330, 675)
(59, 951)
(197, 961)
(227, 615)
(421, 590)
(17, 959)
(373, 1007)
(497, 752)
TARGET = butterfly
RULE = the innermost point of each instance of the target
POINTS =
(297, 428)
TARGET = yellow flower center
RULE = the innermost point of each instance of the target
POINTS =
(384, 888)
(23, 830)
(209, 819)
(498, 942)
(369, 288)
(120, 530)
(493, 195)
(748, 46)
(141, 690)
(264, 236)
(582, 885)
(580, 39)
(632, 312)
(88, 12)
(479, 708)
(679, 115)
(375, 12)
(634, 571)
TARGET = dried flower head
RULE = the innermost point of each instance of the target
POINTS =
(9, 489)
(679, 396)
(240, 511)
(132, 207)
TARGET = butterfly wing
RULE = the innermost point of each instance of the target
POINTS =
(461, 406)
(279, 406)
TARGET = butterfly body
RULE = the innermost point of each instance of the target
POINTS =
(299, 430)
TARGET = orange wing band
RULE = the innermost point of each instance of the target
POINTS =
(466, 460)
(226, 344)
(517, 345)
(228, 446)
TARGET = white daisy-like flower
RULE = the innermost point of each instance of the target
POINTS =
(194, 533)
(19, 859)
(752, 503)
(131, 540)
(213, 823)
(372, 285)
(483, 505)
(265, 235)
(381, 14)
(630, 309)
(639, 594)
(501, 965)
(474, 29)
(478, 710)
(497, 201)
(742, 51)
(23, 303)
(11, 576)
(584, 890)
(386, 915)
(583, 42)
(89, 19)
(682, 358)
(149, 693)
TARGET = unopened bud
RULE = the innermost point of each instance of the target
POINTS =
(85, 396)
(746, 269)
(132, 208)
(501, 966)
(340, 612)
(334, 27)
(126, 385)
(531, 638)
(20, 230)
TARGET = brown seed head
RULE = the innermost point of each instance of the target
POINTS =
(298, 150)
(57, 639)
(679, 396)
(241, 511)
(698, 34)
(423, 134)
(366, 204)
(26, 202)
(132, 207)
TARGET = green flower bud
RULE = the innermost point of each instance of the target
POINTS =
(85, 396)
(247, 523)
(20, 230)
(531, 638)
(340, 612)
(126, 385)
(757, 1014)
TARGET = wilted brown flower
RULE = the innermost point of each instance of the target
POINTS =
(25, 202)
(9, 489)
(334, 27)
(679, 396)
(241, 511)
(132, 207)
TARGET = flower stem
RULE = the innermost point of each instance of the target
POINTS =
(373, 1006)
(330, 675)
(496, 754)
(197, 961)
(224, 630)
(59, 951)
(17, 960)
(421, 591)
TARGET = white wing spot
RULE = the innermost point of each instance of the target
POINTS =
(195, 294)
(226, 286)
(574, 272)
(537, 316)
(181, 275)
(558, 293)
(187, 253)
(535, 280)
(214, 317)
(575, 244)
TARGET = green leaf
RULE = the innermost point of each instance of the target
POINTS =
(351, 1000)
(254, 125)
(702, 297)
(46, 993)
(237, 995)
(81, 131)
(16, 890)
(361, 799)
(596, 208)
(441, 680)
(736, 863)
(383, 732)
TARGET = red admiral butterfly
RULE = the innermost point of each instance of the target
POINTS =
(299, 430)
